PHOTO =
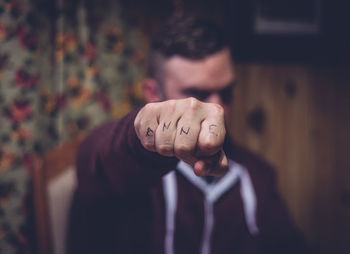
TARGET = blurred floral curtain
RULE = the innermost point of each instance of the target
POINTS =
(65, 67)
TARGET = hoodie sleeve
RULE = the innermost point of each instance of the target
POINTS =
(112, 161)
(115, 173)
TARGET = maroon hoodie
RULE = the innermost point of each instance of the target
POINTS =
(130, 200)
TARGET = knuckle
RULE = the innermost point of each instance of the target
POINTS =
(165, 149)
(149, 145)
(217, 109)
(149, 107)
(169, 106)
(209, 146)
(183, 149)
(193, 103)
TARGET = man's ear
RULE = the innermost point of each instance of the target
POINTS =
(152, 90)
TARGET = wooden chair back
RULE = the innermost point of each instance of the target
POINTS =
(54, 182)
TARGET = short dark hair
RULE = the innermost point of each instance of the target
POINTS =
(188, 37)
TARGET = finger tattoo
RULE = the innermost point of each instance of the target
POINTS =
(149, 132)
(184, 131)
(166, 126)
(212, 127)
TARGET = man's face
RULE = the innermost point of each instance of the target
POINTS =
(209, 80)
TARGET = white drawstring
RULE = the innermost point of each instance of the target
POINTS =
(170, 195)
(249, 202)
(212, 193)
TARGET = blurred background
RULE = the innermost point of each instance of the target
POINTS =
(68, 65)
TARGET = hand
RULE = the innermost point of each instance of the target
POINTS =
(189, 129)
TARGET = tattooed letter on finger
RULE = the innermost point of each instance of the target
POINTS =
(149, 132)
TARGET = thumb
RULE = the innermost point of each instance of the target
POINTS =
(215, 165)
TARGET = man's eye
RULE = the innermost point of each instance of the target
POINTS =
(226, 95)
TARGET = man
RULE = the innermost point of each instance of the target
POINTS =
(166, 178)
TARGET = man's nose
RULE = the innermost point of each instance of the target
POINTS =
(215, 98)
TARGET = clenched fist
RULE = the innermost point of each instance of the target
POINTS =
(189, 129)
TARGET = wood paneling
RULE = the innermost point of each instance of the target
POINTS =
(297, 117)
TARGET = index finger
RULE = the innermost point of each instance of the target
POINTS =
(146, 124)
(212, 133)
